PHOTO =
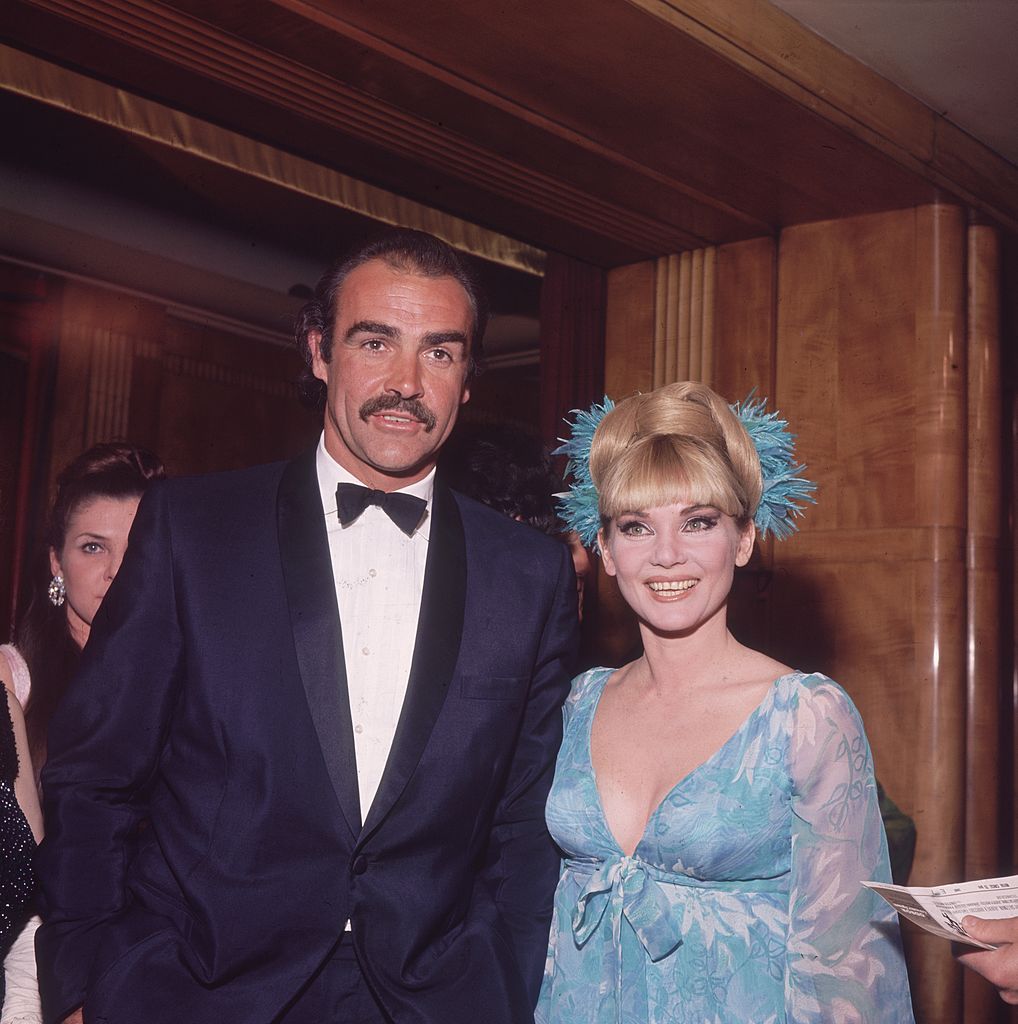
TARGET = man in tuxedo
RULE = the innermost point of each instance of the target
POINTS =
(300, 778)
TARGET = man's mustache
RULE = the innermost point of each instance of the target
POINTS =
(396, 403)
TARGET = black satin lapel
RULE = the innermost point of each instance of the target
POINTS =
(436, 648)
(314, 617)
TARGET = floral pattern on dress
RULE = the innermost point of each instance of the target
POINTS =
(741, 902)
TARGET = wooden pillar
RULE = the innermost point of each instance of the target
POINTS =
(984, 764)
(940, 593)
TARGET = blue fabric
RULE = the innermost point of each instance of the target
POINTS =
(741, 902)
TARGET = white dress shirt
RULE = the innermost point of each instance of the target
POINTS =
(379, 576)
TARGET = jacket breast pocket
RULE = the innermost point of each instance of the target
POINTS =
(489, 687)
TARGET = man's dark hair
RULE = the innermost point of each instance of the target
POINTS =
(410, 252)
(505, 466)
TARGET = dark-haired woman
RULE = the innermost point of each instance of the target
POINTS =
(96, 501)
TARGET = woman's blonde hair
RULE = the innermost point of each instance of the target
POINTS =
(678, 440)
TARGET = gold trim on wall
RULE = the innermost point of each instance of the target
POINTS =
(86, 97)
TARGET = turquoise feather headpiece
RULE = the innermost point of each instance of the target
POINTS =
(784, 487)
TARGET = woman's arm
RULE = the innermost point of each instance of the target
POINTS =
(844, 955)
(24, 785)
(21, 1001)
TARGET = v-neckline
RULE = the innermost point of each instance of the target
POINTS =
(743, 726)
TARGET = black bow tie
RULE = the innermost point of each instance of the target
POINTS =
(405, 510)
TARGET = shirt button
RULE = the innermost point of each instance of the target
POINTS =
(358, 729)
(360, 865)
(365, 650)
(372, 572)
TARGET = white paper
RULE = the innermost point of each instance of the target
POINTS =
(940, 909)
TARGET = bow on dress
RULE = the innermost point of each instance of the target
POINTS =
(644, 895)
(632, 892)
(624, 888)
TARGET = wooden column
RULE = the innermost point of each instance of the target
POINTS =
(940, 593)
(985, 766)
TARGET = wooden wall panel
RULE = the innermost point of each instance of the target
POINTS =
(629, 330)
(97, 331)
(226, 401)
(871, 358)
(845, 349)
(745, 318)
(202, 398)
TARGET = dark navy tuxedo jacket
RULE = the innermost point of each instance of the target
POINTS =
(204, 842)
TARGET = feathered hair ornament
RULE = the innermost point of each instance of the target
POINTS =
(784, 487)
(578, 506)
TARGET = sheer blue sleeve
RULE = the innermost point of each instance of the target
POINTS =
(844, 953)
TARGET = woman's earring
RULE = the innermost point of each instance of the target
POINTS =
(57, 591)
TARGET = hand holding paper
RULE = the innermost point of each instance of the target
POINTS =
(998, 966)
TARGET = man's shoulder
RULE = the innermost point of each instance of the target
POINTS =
(229, 482)
(498, 528)
(251, 492)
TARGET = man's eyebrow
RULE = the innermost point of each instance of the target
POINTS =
(371, 327)
(445, 338)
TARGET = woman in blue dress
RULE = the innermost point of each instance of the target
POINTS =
(716, 810)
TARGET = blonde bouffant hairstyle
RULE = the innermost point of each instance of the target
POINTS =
(678, 440)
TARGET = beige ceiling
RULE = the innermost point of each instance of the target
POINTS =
(956, 56)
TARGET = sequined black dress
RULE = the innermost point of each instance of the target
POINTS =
(17, 844)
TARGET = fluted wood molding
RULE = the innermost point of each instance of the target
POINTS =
(685, 292)
(219, 373)
(109, 385)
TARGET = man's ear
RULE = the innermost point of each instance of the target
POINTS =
(319, 367)
(746, 541)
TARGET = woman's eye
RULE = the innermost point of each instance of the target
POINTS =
(633, 528)
(91, 547)
(700, 523)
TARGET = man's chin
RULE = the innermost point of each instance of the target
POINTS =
(400, 467)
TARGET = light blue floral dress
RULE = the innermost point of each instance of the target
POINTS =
(742, 902)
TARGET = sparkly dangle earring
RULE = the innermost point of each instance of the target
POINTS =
(57, 591)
